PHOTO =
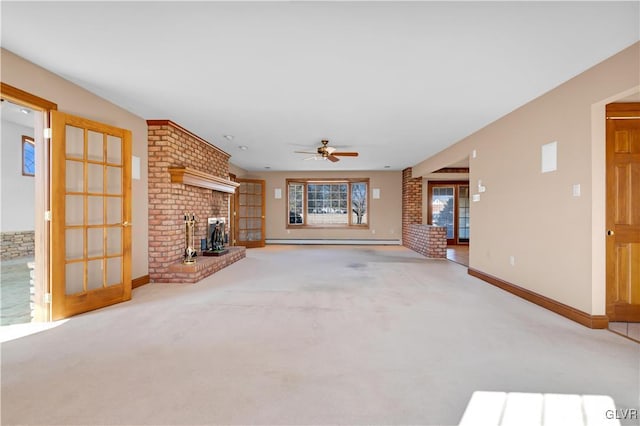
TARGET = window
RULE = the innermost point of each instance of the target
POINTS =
(28, 156)
(328, 203)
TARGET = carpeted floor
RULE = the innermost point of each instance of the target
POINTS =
(309, 335)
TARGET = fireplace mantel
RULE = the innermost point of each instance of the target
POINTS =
(189, 176)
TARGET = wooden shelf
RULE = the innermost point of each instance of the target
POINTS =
(188, 176)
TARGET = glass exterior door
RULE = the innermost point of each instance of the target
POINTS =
(443, 202)
(449, 207)
(91, 210)
(463, 214)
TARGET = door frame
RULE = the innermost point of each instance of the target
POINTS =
(42, 277)
(456, 184)
(620, 110)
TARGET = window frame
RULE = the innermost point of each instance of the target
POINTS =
(30, 141)
(330, 181)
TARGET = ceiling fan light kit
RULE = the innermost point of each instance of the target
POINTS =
(326, 152)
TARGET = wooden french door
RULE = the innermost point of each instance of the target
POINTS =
(449, 207)
(90, 215)
(249, 214)
(623, 212)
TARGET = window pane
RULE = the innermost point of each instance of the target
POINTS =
(296, 213)
(359, 203)
(28, 156)
(324, 203)
(442, 205)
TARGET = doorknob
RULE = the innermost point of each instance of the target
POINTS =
(126, 224)
(610, 232)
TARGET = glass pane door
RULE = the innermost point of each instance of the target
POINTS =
(250, 216)
(443, 208)
(91, 184)
(463, 214)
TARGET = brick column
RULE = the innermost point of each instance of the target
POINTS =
(170, 145)
(411, 203)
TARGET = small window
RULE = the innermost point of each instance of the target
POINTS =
(28, 156)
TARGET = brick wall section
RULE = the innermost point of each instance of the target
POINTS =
(172, 146)
(411, 203)
(17, 244)
(428, 240)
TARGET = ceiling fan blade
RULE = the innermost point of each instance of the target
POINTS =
(332, 158)
(315, 157)
(304, 152)
(346, 154)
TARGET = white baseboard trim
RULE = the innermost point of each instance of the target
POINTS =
(335, 242)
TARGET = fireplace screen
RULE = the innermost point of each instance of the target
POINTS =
(217, 237)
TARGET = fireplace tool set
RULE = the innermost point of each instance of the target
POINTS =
(190, 252)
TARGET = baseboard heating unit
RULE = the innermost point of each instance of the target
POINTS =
(335, 242)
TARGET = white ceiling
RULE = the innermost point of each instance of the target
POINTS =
(396, 81)
(17, 114)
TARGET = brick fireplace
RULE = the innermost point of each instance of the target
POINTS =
(187, 175)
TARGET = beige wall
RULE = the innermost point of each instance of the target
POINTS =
(75, 100)
(385, 221)
(557, 239)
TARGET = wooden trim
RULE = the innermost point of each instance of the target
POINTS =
(182, 129)
(25, 98)
(623, 106)
(140, 281)
(453, 170)
(591, 321)
(189, 176)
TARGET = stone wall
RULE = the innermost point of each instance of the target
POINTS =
(428, 240)
(17, 244)
(411, 203)
(173, 146)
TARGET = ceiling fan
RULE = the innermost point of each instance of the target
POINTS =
(326, 152)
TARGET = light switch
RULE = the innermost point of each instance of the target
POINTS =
(576, 190)
(475, 198)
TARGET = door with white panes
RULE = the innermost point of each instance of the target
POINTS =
(91, 215)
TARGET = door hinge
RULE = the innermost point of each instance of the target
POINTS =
(47, 298)
(47, 215)
(47, 133)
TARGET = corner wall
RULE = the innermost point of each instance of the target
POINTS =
(411, 205)
(73, 99)
(557, 240)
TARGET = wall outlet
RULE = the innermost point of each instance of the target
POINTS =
(512, 260)
(373, 231)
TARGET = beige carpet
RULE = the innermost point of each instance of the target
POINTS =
(309, 335)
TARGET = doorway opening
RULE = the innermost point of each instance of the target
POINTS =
(449, 206)
(25, 199)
